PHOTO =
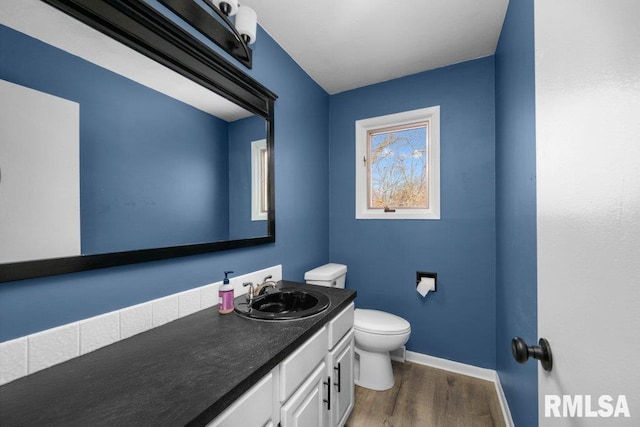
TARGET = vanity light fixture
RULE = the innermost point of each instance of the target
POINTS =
(234, 38)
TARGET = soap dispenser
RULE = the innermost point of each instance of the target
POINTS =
(225, 295)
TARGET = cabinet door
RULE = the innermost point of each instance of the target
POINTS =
(342, 380)
(308, 407)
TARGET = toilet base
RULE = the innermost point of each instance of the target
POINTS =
(375, 372)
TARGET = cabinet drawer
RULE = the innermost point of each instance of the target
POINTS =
(254, 408)
(340, 325)
(299, 365)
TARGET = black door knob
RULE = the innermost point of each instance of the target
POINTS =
(542, 352)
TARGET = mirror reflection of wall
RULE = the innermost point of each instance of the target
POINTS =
(155, 169)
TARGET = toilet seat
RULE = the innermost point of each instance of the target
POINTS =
(379, 322)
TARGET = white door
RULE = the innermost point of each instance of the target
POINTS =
(39, 175)
(588, 209)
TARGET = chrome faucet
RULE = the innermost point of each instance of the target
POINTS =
(266, 283)
(256, 291)
(251, 293)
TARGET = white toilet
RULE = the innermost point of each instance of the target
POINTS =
(376, 333)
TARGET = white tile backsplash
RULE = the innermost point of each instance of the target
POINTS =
(135, 319)
(53, 346)
(164, 310)
(209, 295)
(41, 350)
(188, 302)
(99, 331)
(13, 360)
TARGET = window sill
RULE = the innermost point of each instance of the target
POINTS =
(398, 214)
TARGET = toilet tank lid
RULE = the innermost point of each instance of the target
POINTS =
(329, 271)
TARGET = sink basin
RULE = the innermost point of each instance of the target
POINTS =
(286, 304)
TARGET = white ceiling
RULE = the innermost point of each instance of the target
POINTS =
(347, 44)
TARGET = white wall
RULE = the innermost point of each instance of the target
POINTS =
(588, 180)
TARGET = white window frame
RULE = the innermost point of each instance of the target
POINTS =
(431, 115)
(258, 187)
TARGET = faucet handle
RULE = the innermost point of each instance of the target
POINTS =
(251, 292)
(267, 278)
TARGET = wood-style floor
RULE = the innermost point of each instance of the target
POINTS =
(425, 396)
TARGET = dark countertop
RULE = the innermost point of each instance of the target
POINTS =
(185, 372)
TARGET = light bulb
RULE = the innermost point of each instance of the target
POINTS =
(247, 23)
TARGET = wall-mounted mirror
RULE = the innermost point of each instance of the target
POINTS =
(124, 139)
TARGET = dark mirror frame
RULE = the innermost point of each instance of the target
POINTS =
(144, 29)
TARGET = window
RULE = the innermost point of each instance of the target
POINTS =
(259, 181)
(397, 166)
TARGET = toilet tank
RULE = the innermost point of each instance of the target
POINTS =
(331, 275)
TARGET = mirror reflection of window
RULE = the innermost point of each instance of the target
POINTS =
(259, 181)
(264, 163)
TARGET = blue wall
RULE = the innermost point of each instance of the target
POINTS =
(301, 130)
(516, 287)
(457, 322)
(142, 153)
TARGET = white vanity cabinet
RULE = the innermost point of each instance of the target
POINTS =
(312, 387)
(330, 387)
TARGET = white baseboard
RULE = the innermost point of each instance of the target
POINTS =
(468, 370)
(450, 365)
(508, 420)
